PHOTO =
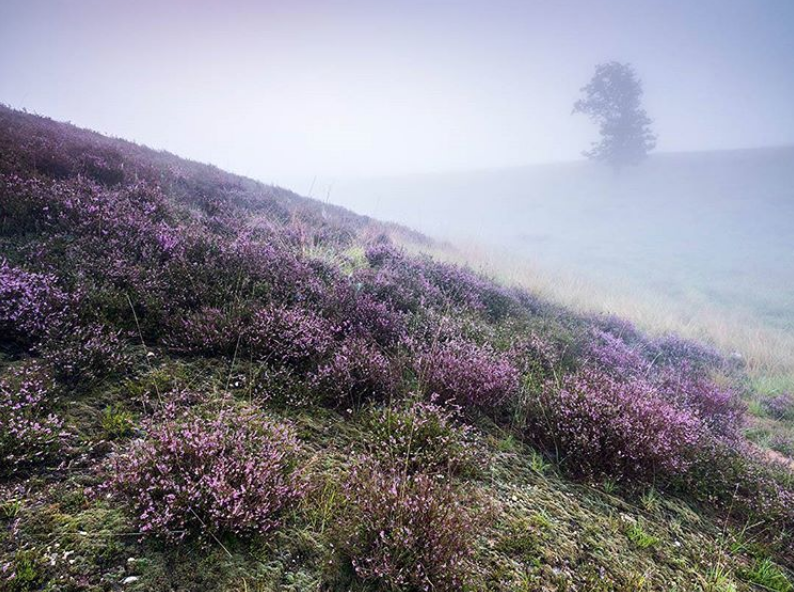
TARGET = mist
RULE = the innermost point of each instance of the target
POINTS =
(455, 119)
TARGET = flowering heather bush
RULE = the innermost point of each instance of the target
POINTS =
(536, 354)
(736, 475)
(85, 354)
(600, 425)
(610, 353)
(403, 532)
(467, 374)
(31, 304)
(671, 350)
(783, 445)
(718, 408)
(288, 337)
(780, 406)
(208, 331)
(420, 437)
(360, 314)
(199, 476)
(29, 432)
(410, 283)
(356, 372)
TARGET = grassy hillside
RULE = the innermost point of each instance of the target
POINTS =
(211, 384)
(697, 243)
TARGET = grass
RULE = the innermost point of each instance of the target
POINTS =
(768, 576)
(766, 349)
(730, 326)
(546, 532)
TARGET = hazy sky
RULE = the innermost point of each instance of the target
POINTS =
(289, 89)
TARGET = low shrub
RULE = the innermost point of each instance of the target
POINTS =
(599, 425)
(29, 431)
(288, 337)
(780, 406)
(403, 532)
(739, 477)
(466, 374)
(85, 354)
(231, 473)
(420, 437)
(357, 313)
(356, 373)
(31, 304)
(208, 331)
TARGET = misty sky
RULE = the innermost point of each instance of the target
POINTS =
(279, 90)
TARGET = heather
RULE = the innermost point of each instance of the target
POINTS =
(234, 473)
(421, 436)
(193, 363)
(403, 532)
(29, 431)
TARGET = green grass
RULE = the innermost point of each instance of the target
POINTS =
(768, 576)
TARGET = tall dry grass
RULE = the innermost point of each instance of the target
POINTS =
(731, 327)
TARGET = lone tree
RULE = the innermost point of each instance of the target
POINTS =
(612, 100)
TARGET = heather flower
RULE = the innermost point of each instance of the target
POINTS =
(600, 425)
(355, 373)
(29, 431)
(467, 374)
(780, 406)
(403, 532)
(233, 473)
(31, 304)
(420, 436)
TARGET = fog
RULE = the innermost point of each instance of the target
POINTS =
(455, 118)
(284, 91)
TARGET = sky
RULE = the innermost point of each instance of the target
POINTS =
(282, 91)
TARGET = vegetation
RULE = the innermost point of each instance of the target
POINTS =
(613, 101)
(224, 386)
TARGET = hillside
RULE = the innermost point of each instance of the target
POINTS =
(207, 383)
(694, 242)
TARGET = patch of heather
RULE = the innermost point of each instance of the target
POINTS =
(609, 351)
(467, 374)
(31, 305)
(673, 351)
(403, 532)
(87, 353)
(783, 445)
(420, 436)
(195, 476)
(780, 406)
(358, 313)
(740, 478)
(288, 337)
(537, 356)
(29, 431)
(718, 408)
(356, 372)
(600, 425)
(208, 331)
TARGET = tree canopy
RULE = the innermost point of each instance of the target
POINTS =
(612, 99)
